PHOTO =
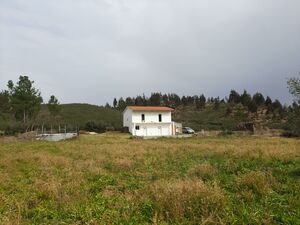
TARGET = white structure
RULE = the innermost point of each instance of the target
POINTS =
(149, 120)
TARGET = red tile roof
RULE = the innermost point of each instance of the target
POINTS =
(150, 108)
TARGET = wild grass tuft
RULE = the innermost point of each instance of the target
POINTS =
(181, 200)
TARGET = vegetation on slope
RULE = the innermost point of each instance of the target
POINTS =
(112, 179)
(21, 110)
(80, 114)
(210, 119)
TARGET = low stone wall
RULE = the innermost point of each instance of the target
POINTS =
(56, 137)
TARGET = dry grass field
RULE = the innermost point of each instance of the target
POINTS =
(113, 179)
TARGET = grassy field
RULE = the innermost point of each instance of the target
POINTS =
(112, 179)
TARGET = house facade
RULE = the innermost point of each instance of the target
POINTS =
(149, 120)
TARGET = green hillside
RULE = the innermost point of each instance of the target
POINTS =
(208, 118)
(225, 119)
(79, 114)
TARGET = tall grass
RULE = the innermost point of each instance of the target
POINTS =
(112, 179)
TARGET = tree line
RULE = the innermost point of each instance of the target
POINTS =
(199, 102)
(22, 101)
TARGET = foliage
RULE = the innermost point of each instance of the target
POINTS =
(252, 106)
(217, 103)
(294, 118)
(95, 127)
(4, 102)
(294, 87)
(121, 104)
(115, 103)
(53, 106)
(259, 99)
(234, 97)
(78, 115)
(200, 102)
(245, 98)
(25, 99)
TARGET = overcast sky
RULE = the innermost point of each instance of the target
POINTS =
(94, 50)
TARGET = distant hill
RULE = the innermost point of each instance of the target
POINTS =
(79, 114)
(223, 119)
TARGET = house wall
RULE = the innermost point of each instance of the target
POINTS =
(151, 117)
(151, 126)
(154, 129)
(127, 119)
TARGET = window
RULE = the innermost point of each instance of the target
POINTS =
(143, 117)
(159, 118)
(137, 127)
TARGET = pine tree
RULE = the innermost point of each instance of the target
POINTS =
(252, 107)
(245, 98)
(216, 103)
(4, 102)
(201, 102)
(234, 97)
(259, 99)
(121, 104)
(155, 99)
(184, 101)
(54, 106)
(115, 103)
(25, 99)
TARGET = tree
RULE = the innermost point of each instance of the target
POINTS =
(294, 88)
(24, 98)
(252, 106)
(269, 104)
(174, 100)
(277, 109)
(129, 101)
(155, 99)
(268, 101)
(138, 100)
(234, 97)
(184, 101)
(115, 103)
(245, 98)
(277, 105)
(165, 99)
(200, 104)
(121, 104)
(259, 99)
(294, 118)
(53, 106)
(190, 100)
(4, 102)
(216, 103)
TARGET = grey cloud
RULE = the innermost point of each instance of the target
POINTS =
(92, 51)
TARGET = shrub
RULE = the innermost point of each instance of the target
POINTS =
(95, 127)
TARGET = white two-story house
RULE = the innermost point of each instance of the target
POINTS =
(149, 120)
